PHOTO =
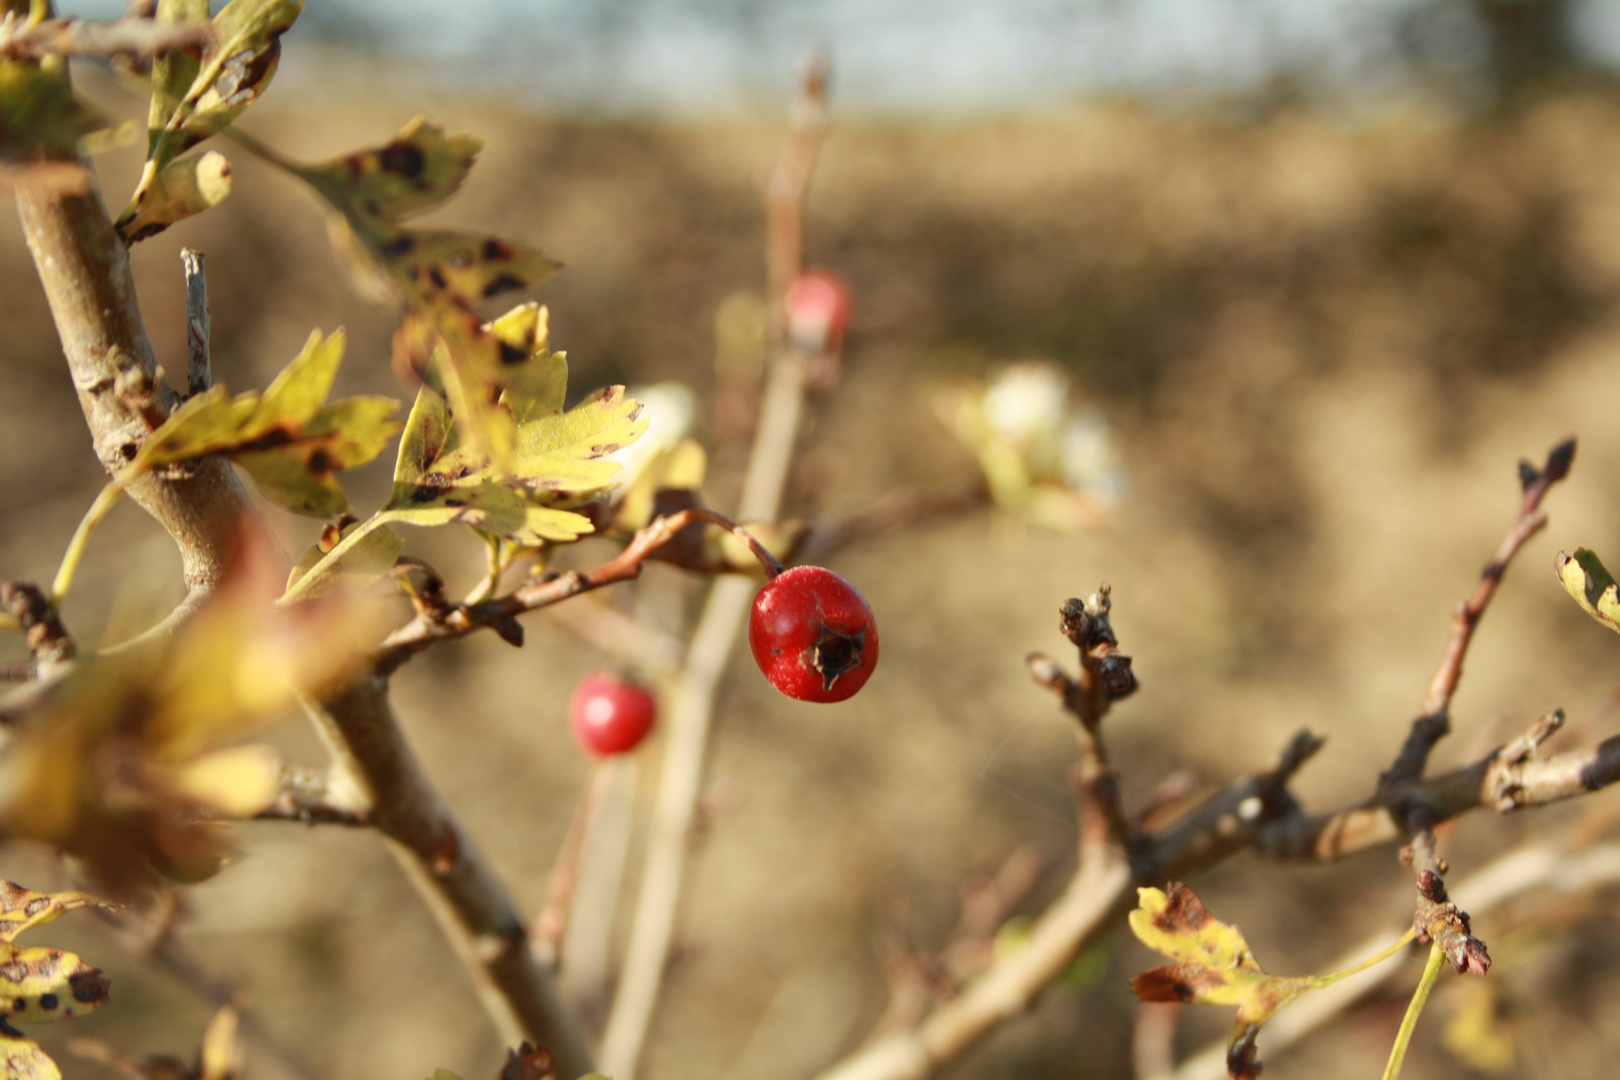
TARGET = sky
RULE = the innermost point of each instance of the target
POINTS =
(941, 58)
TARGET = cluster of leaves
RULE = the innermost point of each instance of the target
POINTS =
(37, 983)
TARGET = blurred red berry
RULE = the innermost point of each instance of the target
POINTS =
(611, 715)
(813, 635)
(818, 306)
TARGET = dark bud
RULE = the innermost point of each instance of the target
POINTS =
(510, 630)
(1114, 671)
(1560, 459)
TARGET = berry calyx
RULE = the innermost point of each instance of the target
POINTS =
(813, 635)
(818, 306)
(611, 715)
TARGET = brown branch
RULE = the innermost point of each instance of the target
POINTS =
(435, 623)
(552, 922)
(472, 906)
(137, 39)
(692, 699)
(305, 797)
(895, 511)
(47, 639)
(1434, 722)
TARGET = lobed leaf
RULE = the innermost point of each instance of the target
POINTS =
(416, 170)
(1214, 964)
(286, 438)
(21, 1058)
(556, 460)
(1586, 579)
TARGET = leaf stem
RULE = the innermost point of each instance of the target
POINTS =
(81, 538)
(1405, 940)
(1431, 972)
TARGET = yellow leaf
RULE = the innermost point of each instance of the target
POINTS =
(47, 984)
(287, 439)
(22, 908)
(238, 782)
(366, 551)
(1214, 963)
(220, 1056)
(1593, 587)
(416, 170)
(22, 1059)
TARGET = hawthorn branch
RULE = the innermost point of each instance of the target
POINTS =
(440, 621)
(84, 268)
(1434, 721)
(138, 39)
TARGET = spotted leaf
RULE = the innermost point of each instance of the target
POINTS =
(556, 461)
(47, 984)
(1584, 577)
(286, 438)
(414, 171)
(22, 908)
(364, 552)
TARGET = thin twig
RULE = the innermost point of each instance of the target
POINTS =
(441, 622)
(199, 366)
(552, 922)
(1434, 721)
(692, 699)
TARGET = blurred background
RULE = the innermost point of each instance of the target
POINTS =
(1325, 272)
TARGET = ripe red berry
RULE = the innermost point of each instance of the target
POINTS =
(610, 715)
(812, 635)
(818, 307)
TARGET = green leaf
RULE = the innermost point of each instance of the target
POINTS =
(415, 171)
(366, 552)
(180, 190)
(1586, 579)
(174, 72)
(228, 78)
(287, 439)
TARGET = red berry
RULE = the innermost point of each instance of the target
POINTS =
(812, 635)
(610, 715)
(817, 311)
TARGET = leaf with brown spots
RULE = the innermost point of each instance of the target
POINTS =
(1214, 965)
(1584, 577)
(39, 984)
(288, 439)
(442, 275)
(229, 76)
(414, 171)
(21, 908)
